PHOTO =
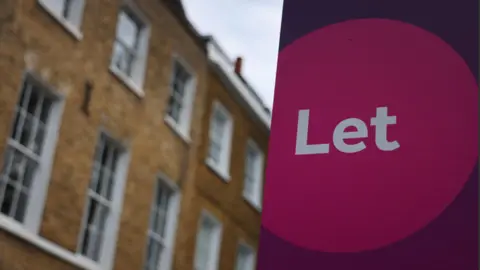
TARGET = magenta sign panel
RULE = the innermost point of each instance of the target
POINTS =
(373, 159)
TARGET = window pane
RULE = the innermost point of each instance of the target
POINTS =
(46, 106)
(92, 210)
(127, 30)
(16, 179)
(181, 74)
(101, 219)
(21, 206)
(115, 155)
(154, 249)
(27, 169)
(103, 176)
(174, 108)
(161, 219)
(215, 151)
(217, 136)
(97, 174)
(39, 137)
(204, 246)
(26, 131)
(202, 259)
(251, 173)
(218, 127)
(67, 8)
(250, 164)
(17, 124)
(249, 186)
(109, 182)
(8, 197)
(33, 102)
(32, 114)
(163, 197)
(97, 230)
(220, 121)
(244, 259)
(94, 229)
(160, 210)
(100, 198)
(122, 58)
(92, 243)
(56, 6)
(107, 173)
(177, 71)
(4, 180)
(25, 95)
(21, 163)
(157, 229)
(16, 168)
(178, 89)
(97, 247)
(104, 156)
(241, 263)
(85, 242)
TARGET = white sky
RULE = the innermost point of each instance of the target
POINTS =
(247, 28)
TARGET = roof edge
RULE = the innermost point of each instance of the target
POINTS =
(176, 7)
(218, 56)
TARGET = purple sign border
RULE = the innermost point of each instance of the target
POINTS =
(450, 242)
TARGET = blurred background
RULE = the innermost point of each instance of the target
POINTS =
(134, 133)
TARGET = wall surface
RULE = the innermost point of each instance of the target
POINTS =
(31, 39)
(240, 220)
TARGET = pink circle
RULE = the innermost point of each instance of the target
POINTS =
(340, 202)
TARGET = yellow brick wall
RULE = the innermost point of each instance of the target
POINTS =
(36, 40)
(29, 37)
(240, 221)
(16, 254)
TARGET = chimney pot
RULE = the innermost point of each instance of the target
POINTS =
(238, 65)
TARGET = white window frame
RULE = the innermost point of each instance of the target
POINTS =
(213, 261)
(108, 247)
(166, 257)
(182, 126)
(254, 198)
(135, 81)
(73, 22)
(245, 248)
(39, 188)
(222, 168)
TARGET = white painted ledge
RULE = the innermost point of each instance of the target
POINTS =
(49, 247)
(177, 129)
(254, 204)
(220, 172)
(128, 82)
(71, 29)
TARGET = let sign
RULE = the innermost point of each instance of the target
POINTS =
(340, 134)
(373, 157)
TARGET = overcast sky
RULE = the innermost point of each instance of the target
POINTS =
(247, 28)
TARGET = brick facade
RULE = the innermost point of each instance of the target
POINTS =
(30, 39)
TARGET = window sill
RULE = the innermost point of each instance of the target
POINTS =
(218, 171)
(129, 83)
(252, 203)
(18, 230)
(177, 129)
(71, 29)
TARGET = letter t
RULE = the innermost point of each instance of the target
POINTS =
(380, 121)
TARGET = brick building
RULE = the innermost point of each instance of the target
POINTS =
(130, 141)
